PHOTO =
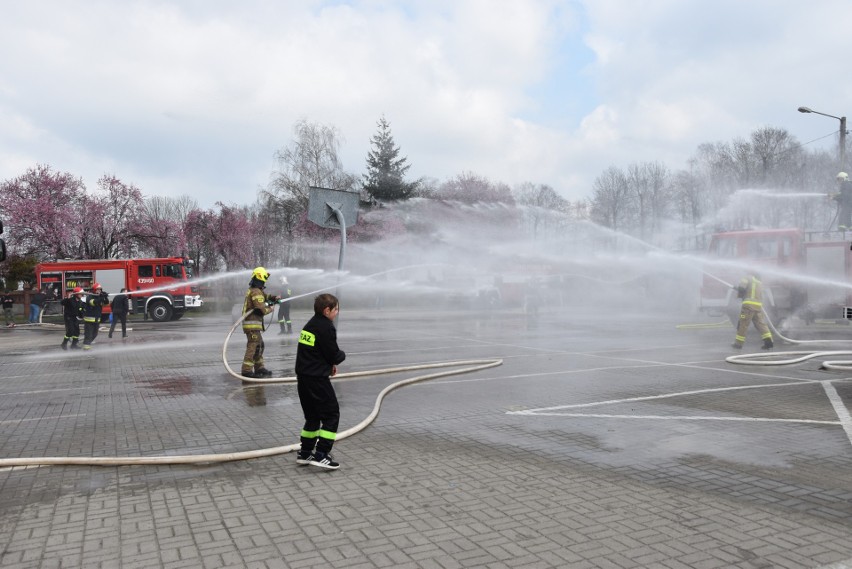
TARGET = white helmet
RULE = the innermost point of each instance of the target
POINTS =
(842, 177)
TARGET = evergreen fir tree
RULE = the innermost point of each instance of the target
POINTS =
(385, 177)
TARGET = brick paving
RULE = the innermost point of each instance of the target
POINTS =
(551, 460)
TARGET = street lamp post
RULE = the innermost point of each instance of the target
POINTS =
(842, 133)
(844, 197)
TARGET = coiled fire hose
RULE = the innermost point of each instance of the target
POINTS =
(469, 366)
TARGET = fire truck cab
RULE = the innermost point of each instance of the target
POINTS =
(158, 287)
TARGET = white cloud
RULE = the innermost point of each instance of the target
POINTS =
(195, 97)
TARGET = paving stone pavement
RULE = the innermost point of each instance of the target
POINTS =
(618, 444)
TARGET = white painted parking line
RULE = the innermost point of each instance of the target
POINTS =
(14, 421)
(675, 417)
(839, 408)
(844, 418)
(652, 397)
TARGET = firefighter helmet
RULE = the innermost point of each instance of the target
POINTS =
(96, 286)
(77, 290)
(260, 274)
(842, 177)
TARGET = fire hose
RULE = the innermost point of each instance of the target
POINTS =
(793, 357)
(467, 366)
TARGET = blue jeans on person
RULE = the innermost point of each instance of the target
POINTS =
(34, 310)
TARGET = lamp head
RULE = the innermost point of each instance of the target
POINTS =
(805, 110)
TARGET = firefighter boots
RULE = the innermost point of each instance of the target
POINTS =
(767, 344)
(737, 346)
(74, 345)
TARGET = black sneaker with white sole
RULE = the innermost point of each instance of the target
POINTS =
(303, 458)
(323, 460)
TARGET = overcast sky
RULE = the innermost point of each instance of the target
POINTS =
(194, 97)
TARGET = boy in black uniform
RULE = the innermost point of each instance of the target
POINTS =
(317, 357)
(72, 311)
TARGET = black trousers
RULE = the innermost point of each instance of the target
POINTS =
(322, 413)
(90, 331)
(72, 329)
(122, 317)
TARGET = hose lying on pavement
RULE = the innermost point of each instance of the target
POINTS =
(471, 366)
(787, 358)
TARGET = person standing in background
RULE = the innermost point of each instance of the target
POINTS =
(37, 301)
(7, 301)
(120, 307)
(284, 308)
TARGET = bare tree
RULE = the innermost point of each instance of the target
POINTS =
(470, 188)
(611, 203)
(649, 184)
(311, 160)
(544, 208)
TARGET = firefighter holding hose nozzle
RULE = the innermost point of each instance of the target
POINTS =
(93, 309)
(750, 290)
(257, 304)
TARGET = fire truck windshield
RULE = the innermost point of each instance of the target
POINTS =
(726, 248)
(174, 271)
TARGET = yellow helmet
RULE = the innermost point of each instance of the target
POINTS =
(260, 274)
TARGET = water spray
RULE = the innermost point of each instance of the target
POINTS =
(460, 367)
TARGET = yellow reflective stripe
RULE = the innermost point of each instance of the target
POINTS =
(252, 325)
(258, 298)
(753, 303)
(309, 434)
(327, 435)
(89, 319)
(307, 338)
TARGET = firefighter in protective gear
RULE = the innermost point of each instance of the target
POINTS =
(284, 308)
(257, 304)
(93, 309)
(750, 289)
(72, 312)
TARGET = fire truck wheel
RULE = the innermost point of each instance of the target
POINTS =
(160, 311)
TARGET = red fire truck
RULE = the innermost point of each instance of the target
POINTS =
(159, 288)
(808, 273)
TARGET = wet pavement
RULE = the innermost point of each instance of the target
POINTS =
(621, 443)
